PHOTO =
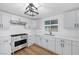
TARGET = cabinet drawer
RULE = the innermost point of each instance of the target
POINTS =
(16, 38)
(65, 41)
(75, 43)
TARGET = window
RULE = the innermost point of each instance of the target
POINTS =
(51, 25)
(47, 22)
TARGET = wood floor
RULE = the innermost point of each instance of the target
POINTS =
(34, 50)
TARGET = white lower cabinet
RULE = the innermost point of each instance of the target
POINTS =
(59, 49)
(75, 47)
(51, 44)
(30, 40)
(45, 43)
(5, 45)
(5, 49)
(57, 45)
(67, 47)
(38, 40)
(63, 46)
(75, 50)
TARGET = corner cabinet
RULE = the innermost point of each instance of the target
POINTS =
(4, 21)
(31, 40)
(63, 46)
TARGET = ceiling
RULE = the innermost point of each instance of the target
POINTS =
(45, 9)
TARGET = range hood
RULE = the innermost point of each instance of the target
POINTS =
(17, 22)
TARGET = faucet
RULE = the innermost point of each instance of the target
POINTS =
(50, 33)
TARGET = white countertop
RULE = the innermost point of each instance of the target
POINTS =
(63, 37)
(68, 38)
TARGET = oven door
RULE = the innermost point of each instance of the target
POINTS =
(17, 43)
(20, 44)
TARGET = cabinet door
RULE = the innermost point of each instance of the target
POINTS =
(66, 47)
(0, 18)
(77, 19)
(37, 40)
(45, 43)
(5, 21)
(59, 49)
(30, 40)
(51, 44)
(0, 21)
(75, 50)
(5, 48)
(69, 20)
(75, 47)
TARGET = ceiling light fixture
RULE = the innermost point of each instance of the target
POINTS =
(31, 10)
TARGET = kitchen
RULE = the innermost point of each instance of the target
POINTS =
(53, 31)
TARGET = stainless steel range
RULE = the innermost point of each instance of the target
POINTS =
(18, 41)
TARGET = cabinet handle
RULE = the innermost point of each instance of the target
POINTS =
(75, 25)
(62, 45)
(0, 25)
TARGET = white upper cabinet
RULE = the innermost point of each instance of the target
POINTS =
(0, 20)
(77, 19)
(69, 20)
(4, 21)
